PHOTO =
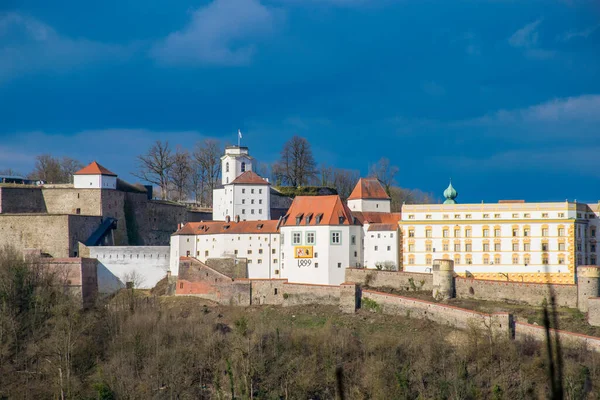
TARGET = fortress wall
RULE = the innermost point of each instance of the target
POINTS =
(17, 200)
(594, 311)
(569, 339)
(56, 235)
(528, 293)
(300, 294)
(143, 265)
(78, 275)
(399, 280)
(68, 200)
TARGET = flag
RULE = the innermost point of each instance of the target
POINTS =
(239, 134)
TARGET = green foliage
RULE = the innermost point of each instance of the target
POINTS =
(103, 391)
(370, 305)
(291, 191)
(286, 296)
(241, 326)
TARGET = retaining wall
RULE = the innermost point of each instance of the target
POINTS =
(21, 200)
(528, 293)
(569, 339)
(78, 275)
(594, 311)
(399, 280)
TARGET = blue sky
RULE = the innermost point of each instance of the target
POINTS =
(503, 96)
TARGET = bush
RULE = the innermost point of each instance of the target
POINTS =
(370, 304)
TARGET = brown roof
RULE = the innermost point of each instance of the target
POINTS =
(377, 217)
(328, 209)
(250, 177)
(382, 227)
(215, 227)
(368, 188)
(94, 169)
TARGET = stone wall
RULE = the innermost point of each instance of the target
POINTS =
(594, 311)
(268, 291)
(398, 280)
(17, 200)
(55, 235)
(568, 339)
(151, 223)
(516, 292)
(142, 265)
(77, 275)
(300, 294)
(460, 318)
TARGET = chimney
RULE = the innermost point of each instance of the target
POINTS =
(227, 219)
(237, 218)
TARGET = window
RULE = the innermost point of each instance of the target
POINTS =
(515, 259)
(445, 233)
(457, 233)
(181, 285)
(578, 246)
(259, 191)
(486, 247)
(468, 216)
(339, 265)
(497, 259)
(496, 232)
(486, 215)
(316, 265)
(497, 247)
(445, 247)
(206, 253)
(251, 201)
(259, 201)
(411, 260)
(243, 167)
(428, 216)
(593, 260)
(260, 251)
(469, 260)
(336, 237)
(411, 216)
(379, 236)
(561, 231)
(411, 233)
(544, 246)
(243, 190)
(467, 233)
(593, 248)
(526, 247)
(456, 246)
(376, 248)
(310, 238)
(445, 216)
(486, 260)
(456, 216)
(252, 191)
(593, 232)
(561, 215)
(578, 215)
(526, 215)
(296, 238)
(428, 260)
(457, 259)
(391, 235)
(249, 251)
(468, 247)
(515, 232)
(427, 246)
(353, 240)
(496, 215)
(526, 259)
(545, 260)
(561, 259)
(411, 247)
(428, 233)
(252, 211)
(486, 233)
(544, 231)
(355, 254)
(260, 260)
(243, 211)
(515, 215)
(526, 232)
(243, 201)
(561, 247)
(389, 248)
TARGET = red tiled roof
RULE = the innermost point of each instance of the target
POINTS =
(215, 227)
(94, 169)
(250, 177)
(377, 217)
(368, 188)
(382, 227)
(328, 209)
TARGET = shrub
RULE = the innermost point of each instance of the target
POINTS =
(371, 305)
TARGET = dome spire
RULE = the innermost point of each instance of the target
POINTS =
(450, 194)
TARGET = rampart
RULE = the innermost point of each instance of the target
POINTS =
(55, 235)
(569, 339)
(77, 275)
(534, 294)
(594, 311)
(117, 265)
(398, 280)
(17, 200)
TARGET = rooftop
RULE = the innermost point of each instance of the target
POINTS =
(250, 178)
(369, 189)
(377, 217)
(222, 227)
(94, 169)
(319, 210)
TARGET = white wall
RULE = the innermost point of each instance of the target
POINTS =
(117, 264)
(251, 202)
(381, 247)
(235, 159)
(367, 205)
(94, 182)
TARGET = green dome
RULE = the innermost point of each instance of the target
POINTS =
(450, 194)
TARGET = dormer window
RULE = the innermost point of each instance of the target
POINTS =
(260, 226)
(299, 218)
(243, 167)
(308, 218)
(341, 219)
(318, 218)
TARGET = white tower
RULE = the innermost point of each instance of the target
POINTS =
(235, 162)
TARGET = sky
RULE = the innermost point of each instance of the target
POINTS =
(501, 96)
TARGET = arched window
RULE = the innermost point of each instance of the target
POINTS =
(243, 167)
(226, 167)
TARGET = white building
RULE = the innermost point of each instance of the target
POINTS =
(380, 239)
(508, 240)
(244, 194)
(94, 176)
(369, 196)
(319, 239)
(255, 241)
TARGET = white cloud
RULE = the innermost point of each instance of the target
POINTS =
(27, 45)
(527, 36)
(578, 34)
(221, 33)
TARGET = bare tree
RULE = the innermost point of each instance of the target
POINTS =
(68, 167)
(385, 172)
(344, 181)
(47, 168)
(9, 172)
(181, 172)
(155, 166)
(402, 196)
(297, 166)
(208, 161)
(326, 173)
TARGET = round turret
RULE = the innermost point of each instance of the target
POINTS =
(450, 194)
(443, 279)
(588, 285)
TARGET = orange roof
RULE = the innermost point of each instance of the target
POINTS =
(250, 177)
(94, 169)
(377, 217)
(216, 227)
(330, 210)
(368, 188)
(382, 227)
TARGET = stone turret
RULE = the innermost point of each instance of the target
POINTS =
(443, 279)
(588, 285)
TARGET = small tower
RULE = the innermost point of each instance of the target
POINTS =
(94, 176)
(369, 195)
(450, 194)
(443, 279)
(235, 162)
(588, 285)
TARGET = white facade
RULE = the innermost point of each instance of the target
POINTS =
(235, 162)
(249, 202)
(370, 205)
(511, 240)
(94, 182)
(381, 248)
(334, 248)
